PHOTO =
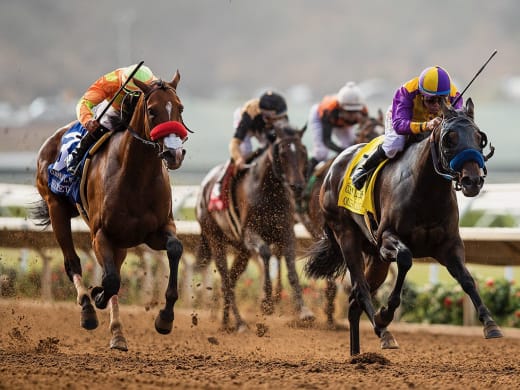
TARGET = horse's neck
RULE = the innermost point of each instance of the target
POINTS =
(265, 174)
(136, 156)
(427, 181)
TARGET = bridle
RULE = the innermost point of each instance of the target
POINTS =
(158, 85)
(444, 164)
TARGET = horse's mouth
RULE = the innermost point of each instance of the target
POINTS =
(471, 186)
(173, 158)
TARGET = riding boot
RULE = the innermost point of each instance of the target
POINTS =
(215, 199)
(363, 169)
(74, 159)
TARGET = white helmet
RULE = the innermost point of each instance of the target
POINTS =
(350, 97)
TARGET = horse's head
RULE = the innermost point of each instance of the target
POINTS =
(461, 144)
(161, 110)
(370, 128)
(289, 157)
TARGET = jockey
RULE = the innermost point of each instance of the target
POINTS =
(255, 119)
(336, 115)
(416, 108)
(96, 99)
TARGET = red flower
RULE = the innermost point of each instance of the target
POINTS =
(447, 302)
(517, 314)
(490, 282)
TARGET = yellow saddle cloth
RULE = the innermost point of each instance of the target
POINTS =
(360, 201)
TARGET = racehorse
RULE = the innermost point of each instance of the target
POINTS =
(312, 217)
(259, 220)
(128, 201)
(418, 217)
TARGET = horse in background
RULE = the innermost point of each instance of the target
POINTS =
(311, 215)
(127, 200)
(258, 221)
(416, 216)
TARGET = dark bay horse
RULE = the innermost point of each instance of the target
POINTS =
(418, 217)
(128, 202)
(259, 221)
(312, 216)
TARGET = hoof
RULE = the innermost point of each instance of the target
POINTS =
(242, 328)
(492, 332)
(163, 325)
(89, 319)
(118, 342)
(306, 314)
(388, 341)
(98, 296)
(267, 307)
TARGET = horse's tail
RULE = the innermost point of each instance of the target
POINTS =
(203, 254)
(39, 212)
(325, 258)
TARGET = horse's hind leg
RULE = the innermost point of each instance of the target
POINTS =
(305, 314)
(331, 291)
(164, 321)
(60, 221)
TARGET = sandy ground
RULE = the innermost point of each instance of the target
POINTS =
(43, 346)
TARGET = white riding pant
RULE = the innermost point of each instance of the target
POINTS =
(393, 142)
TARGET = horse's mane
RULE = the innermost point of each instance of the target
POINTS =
(121, 122)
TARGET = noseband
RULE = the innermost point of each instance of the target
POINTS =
(449, 167)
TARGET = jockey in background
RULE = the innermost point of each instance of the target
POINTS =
(335, 116)
(254, 120)
(95, 99)
(416, 108)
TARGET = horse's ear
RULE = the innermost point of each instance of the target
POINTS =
(470, 109)
(302, 131)
(447, 109)
(142, 86)
(176, 79)
(380, 116)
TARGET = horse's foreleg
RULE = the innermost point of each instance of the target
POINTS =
(164, 321)
(225, 286)
(110, 259)
(331, 291)
(238, 268)
(458, 270)
(118, 341)
(253, 242)
(303, 311)
(354, 314)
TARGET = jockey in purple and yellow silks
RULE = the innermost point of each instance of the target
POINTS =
(416, 108)
(95, 100)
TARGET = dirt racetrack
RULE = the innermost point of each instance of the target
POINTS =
(43, 346)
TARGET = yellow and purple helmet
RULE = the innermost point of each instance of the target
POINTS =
(435, 81)
(143, 74)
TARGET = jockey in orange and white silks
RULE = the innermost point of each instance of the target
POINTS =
(96, 99)
(333, 122)
(416, 108)
(97, 96)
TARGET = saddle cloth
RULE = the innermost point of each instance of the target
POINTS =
(61, 182)
(360, 201)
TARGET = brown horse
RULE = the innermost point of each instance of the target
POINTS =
(312, 216)
(128, 202)
(259, 220)
(418, 217)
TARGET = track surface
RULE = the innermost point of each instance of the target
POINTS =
(42, 346)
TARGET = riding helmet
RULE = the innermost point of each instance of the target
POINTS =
(434, 81)
(271, 101)
(350, 97)
(143, 74)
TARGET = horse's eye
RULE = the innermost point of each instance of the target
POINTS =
(151, 113)
(450, 139)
